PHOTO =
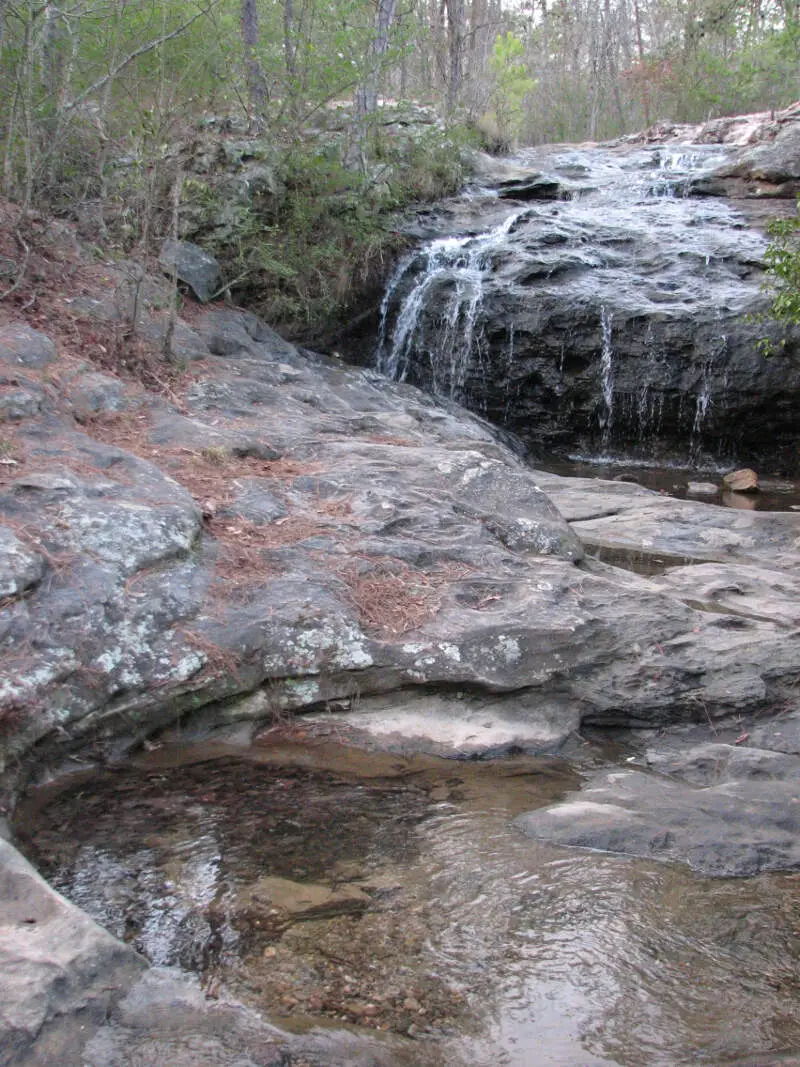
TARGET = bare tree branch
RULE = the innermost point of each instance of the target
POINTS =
(155, 43)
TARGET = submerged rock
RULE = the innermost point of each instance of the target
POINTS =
(735, 828)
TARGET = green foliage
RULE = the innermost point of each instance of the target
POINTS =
(782, 261)
(707, 80)
(301, 257)
(100, 104)
(512, 84)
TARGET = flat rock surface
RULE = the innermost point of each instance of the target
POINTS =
(724, 803)
(740, 826)
(626, 516)
(288, 525)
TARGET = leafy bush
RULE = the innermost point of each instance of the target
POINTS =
(301, 258)
(782, 260)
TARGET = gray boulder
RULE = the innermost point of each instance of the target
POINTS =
(60, 973)
(22, 346)
(196, 268)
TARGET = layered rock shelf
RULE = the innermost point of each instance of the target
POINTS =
(266, 533)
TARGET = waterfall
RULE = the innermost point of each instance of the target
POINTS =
(400, 272)
(506, 322)
(450, 284)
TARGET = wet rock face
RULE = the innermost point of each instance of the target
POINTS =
(768, 167)
(627, 313)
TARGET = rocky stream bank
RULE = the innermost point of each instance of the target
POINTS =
(277, 545)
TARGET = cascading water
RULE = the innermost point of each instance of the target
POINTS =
(452, 268)
(505, 322)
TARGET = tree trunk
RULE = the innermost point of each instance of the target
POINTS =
(642, 68)
(53, 52)
(610, 61)
(367, 100)
(455, 41)
(254, 75)
(288, 41)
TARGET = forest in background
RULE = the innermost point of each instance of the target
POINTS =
(95, 95)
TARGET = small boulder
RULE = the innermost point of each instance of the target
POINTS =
(741, 481)
(97, 392)
(702, 489)
(22, 346)
(196, 268)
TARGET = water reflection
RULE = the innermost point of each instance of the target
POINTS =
(479, 945)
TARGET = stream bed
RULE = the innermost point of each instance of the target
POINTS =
(679, 481)
(327, 886)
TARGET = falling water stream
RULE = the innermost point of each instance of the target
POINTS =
(607, 376)
(463, 259)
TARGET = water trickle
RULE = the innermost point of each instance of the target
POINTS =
(649, 402)
(701, 409)
(704, 399)
(607, 376)
(507, 376)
